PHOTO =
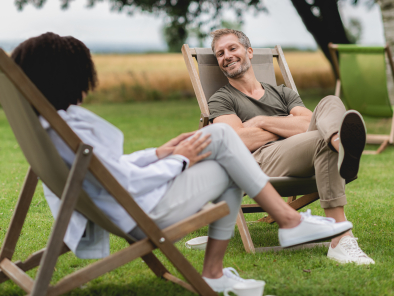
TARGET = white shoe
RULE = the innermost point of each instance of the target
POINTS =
(312, 228)
(352, 138)
(348, 251)
(228, 280)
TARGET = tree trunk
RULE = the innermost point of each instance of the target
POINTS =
(387, 9)
(325, 26)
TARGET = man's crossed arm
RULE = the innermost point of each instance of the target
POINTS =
(262, 129)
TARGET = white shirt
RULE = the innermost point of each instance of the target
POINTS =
(141, 173)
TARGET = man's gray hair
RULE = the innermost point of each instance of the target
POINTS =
(242, 38)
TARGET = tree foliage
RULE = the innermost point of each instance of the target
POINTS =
(181, 16)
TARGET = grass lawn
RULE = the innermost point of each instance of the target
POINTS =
(305, 272)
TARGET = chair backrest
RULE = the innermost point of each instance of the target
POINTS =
(363, 79)
(42, 155)
(212, 78)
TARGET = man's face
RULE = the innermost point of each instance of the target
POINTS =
(233, 58)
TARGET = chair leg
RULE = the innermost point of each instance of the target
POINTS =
(296, 204)
(69, 199)
(290, 199)
(160, 271)
(244, 232)
(154, 264)
(381, 148)
(19, 216)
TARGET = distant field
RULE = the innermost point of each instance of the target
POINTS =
(145, 77)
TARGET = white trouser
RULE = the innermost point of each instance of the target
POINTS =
(228, 171)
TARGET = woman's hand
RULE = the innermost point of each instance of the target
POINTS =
(168, 148)
(191, 148)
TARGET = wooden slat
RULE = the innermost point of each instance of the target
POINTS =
(376, 139)
(391, 138)
(284, 68)
(202, 101)
(17, 275)
(300, 247)
(391, 62)
(297, 204)
(381, 148)
(69, 200)
(338, 88)
(31, 262)
(154, 264)
(19, 216)
(204, 217)
(204, 120)
(291, 199)
(194, 53)
(333, 52)
(168, 276)
(139, 249)
(244, 232)
(101, 267)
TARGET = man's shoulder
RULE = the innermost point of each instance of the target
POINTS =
(276, 88)
(225, 93)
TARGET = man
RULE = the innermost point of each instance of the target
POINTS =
(286, 138)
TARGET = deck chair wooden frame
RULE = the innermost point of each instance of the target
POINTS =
(286, 186)
(382, 140)
(71, 197)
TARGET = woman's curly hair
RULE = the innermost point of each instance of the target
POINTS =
(60, 67)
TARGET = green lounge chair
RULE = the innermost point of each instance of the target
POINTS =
(361, 76)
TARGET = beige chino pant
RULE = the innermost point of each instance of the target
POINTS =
(309, 153)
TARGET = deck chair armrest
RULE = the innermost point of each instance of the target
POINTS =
(204, 120)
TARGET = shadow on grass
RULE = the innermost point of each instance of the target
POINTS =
(137, 286)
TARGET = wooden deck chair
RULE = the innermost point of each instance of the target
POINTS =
(207, 83)
(361, 75)
(17, 96)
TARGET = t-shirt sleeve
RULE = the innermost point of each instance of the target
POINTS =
(292, 99)
(220, 104)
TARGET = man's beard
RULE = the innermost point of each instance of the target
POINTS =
(241, 70)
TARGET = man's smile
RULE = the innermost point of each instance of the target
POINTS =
(231, 64)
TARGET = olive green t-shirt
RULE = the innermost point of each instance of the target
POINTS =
(276, 101)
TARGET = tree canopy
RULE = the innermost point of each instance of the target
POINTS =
(184, 18)
(181, 16)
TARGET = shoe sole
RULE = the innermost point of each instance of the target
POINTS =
(345, 261)
(322, 237)
(353, 137)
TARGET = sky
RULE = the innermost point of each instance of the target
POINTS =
(142, 31)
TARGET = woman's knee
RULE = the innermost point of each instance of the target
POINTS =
(219, 130)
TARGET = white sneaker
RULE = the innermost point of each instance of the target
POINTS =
(348, 251)
(312, 228)
(228, 280)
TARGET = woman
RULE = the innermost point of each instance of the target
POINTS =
(171, 182)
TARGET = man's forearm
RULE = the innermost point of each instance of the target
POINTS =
(283, 126)
(254, 138)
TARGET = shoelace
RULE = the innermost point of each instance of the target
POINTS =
(351, 246)
(230, 272)
(316, 219)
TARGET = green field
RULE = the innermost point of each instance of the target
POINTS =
(370, 198)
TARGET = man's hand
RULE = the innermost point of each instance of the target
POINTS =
(168, 148)
(192, 147)
(254, 122)
(253, 137)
